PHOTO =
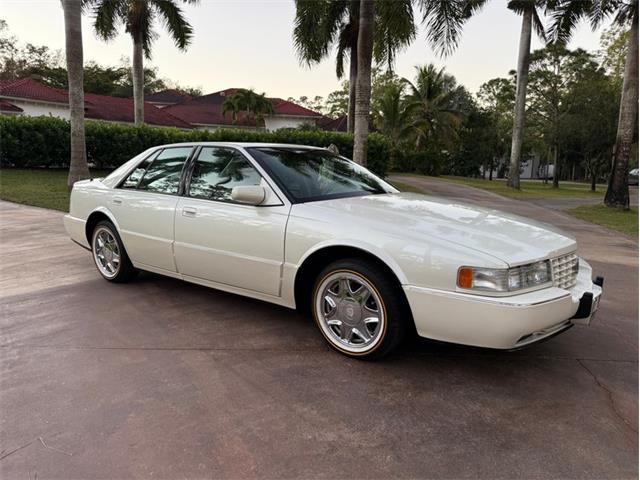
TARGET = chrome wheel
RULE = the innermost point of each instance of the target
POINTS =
(350, 311)
(106, 252)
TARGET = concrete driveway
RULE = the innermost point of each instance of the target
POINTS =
(165, 379)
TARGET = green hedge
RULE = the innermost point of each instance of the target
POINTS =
(44, 141)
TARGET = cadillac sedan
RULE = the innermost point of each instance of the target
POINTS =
(305, 228)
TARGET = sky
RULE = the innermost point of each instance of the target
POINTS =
(248, 43)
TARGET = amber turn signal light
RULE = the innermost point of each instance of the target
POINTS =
(465, 277)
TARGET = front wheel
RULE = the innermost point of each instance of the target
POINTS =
(359, 309)
(109, 255)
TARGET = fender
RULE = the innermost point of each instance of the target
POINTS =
(105, 211)
(360, 245)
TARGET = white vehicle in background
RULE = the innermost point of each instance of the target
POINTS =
(305, 228)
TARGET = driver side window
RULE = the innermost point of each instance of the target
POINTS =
(217, 170)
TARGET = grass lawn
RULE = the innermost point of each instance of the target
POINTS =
(529, 189)
(620, 220)
(42, 188)
(403, 187)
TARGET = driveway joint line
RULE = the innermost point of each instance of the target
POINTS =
(612, 402)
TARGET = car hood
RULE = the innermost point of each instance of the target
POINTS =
(510, 238)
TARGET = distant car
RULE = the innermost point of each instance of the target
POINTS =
(303, 227)
(633, 177)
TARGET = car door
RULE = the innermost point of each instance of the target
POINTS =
(225, 242)
(144, 206)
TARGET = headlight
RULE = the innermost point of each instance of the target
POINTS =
(505, 279)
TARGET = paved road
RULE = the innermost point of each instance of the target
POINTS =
(164, 379)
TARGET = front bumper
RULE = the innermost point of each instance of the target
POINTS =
(503, 322)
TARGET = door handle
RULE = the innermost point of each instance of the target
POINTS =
(117, 201)
(188, 212)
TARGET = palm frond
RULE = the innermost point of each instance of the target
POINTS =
(626, 12)
(444, 20)
(345, 40)
(395, 29)
(108, 16)
(138, 21)
(312, 35)
(538, 26)
(334, 18)
(175, 22)
(565, 15)
(471, 7)
(520, 6)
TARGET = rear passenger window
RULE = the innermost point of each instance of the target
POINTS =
(134, 177)
(163, 175)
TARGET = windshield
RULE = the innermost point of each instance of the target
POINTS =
(308, 175)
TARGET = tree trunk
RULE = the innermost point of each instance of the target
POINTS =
(618, 190)
(363, 84)
(521, 96)
(138, 79)
(78, 168)
(354, 20)
(593, 170)
(353, 78)
(546, 166)
(556, 169)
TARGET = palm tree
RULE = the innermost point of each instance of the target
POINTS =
(530, 19)
(363, 81)
(434, 100)
(138, 16)
(393, 117)
(253, 104)
(232, 104)
(322, 24)
(443, 19)
(78, 168)
(565, 16)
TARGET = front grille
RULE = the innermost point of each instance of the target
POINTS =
(565, 271)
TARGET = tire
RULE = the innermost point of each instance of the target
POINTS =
(346, 314)
(109, 254)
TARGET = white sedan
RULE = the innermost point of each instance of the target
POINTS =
(304, 228)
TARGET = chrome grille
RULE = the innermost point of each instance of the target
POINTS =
(565, 271)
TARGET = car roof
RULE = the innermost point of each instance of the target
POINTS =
(241, 145)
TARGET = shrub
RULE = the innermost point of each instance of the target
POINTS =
(426, 162)
(44, 141)
(34, 141)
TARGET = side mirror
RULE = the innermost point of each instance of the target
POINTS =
(249, 194)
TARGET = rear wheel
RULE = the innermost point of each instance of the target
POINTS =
(359, 309)
(109, 255)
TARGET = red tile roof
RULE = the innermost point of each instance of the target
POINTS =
(334, 124)
(9, 107)
(116, 109)
(32, 89)
(285, 107)
(167, 96)
(97, 107)
(207, 110)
